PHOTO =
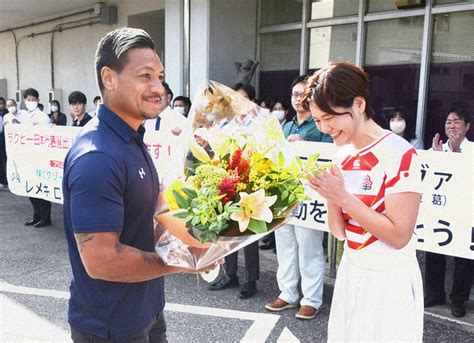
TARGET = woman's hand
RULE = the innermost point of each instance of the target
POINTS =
(330, 185)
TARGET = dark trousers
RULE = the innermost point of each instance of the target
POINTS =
(153, 333)
(3, 161)
(435, 271)
(252, 263)
(41, 209)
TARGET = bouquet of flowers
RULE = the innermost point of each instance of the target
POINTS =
(241, 181)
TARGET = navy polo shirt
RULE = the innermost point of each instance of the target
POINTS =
(110, 185)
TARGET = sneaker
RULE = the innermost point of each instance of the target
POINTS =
(278, 305)
(306, 312)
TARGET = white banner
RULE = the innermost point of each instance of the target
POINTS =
(445, 223)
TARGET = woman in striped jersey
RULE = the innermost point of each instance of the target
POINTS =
(372, 194)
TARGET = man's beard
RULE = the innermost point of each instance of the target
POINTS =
(163, 105)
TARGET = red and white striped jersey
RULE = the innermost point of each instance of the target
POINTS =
(388, 165)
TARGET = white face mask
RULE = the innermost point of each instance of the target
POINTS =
(31, 105)
(398, 126)
(279, 114)
(12, 109)
(54, 108)
(179, 109)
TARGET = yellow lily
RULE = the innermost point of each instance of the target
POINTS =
(199, 152)
(253, 206)
(168, 195)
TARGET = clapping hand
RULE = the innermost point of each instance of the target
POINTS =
(455, 139)
(329, 184)
(437, 143)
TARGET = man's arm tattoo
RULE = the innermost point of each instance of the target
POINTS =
(119, 247)
(83, 238)
(147, 257)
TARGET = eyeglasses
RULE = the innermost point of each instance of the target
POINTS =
(297, 94)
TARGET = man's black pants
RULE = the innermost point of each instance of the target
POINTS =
(252, 263)
(434, 277)
(155, 332)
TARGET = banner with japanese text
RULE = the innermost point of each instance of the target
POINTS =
(36, 158)
(445, 223)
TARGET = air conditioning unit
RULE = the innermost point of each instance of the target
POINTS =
(402, 4)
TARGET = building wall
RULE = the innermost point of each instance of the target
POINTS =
(74, 52)
(232, 37)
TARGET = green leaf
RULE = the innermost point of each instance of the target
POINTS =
(191, 193)
(195, 221)
(257, 226)
(181, 214)
(180, 199)
(284, 195)
(281, 159)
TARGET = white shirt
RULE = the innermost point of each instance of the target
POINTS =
(465, 146)
(9, 118)
(35, 117)
(170, 119)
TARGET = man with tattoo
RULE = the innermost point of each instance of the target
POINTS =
(110, 192)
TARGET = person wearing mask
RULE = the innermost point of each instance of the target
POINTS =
(457, 124)
(13, 115)
(182, 104)
(56, 116)
(34, 116)
(300, 252)
(77, 106)
(251, 253)
(3, 153)
(402, 124)
(280, 111)
(378, 294)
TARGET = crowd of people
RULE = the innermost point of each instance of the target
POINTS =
(117, 289)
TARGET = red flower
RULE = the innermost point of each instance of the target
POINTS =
(240, 164)
(227, 187)
(235, 159)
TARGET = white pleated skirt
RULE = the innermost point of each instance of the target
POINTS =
(377, 301)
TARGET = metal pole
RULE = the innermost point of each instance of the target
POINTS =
(186, 46)
(424, 70)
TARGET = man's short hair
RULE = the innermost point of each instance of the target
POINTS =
(31, 92)
(299, 79)
(167, 89)
(461, 109)
(184, 99)
(96, 98)
(2, 99)
(77, 97)
(113, 49)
